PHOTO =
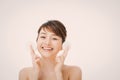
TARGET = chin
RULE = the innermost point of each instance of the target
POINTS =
(46, 55)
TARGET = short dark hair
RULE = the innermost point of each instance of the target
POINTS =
(54, 26)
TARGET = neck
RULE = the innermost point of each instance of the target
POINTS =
(49, 60)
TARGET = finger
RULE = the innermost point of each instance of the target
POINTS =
(60, 60)
(36, 62)
(32, 51)
(35, 58)
(66, 49)
(57, 59)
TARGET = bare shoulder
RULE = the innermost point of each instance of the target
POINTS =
(74, 69)
(75, 72)
(24, 73)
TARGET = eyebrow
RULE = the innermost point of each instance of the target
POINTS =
(46, 33)
(42, 33)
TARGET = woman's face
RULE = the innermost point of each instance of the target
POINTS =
(48, 43)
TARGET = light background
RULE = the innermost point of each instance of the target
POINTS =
(93, 30)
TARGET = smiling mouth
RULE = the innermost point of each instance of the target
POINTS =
(47, 48)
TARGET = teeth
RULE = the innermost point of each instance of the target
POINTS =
(47, 48)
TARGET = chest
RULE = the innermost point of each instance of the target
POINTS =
(65, 75)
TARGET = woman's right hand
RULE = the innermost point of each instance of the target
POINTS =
(36, 64)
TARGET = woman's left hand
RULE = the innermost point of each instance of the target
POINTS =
(60, 61)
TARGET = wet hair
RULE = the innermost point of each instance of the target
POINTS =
(56, 27)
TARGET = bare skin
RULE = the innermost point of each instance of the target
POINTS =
(69, 73)
(50, 66)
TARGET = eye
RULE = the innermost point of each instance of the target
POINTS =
(54, 38)
(43, 37)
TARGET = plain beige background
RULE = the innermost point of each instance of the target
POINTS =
(93, 31)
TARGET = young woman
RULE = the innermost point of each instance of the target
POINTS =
(51, 36)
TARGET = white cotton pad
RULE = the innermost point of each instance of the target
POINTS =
(34, 46)
(37, 52)
(66, 45)
(60, 52)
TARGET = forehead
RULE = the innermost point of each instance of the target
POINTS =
(46, 31)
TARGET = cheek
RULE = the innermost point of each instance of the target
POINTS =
(58, 46)
(39, 44)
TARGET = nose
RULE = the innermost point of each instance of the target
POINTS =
(47, 41)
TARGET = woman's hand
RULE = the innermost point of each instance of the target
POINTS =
(60, 61)
(36, 64)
